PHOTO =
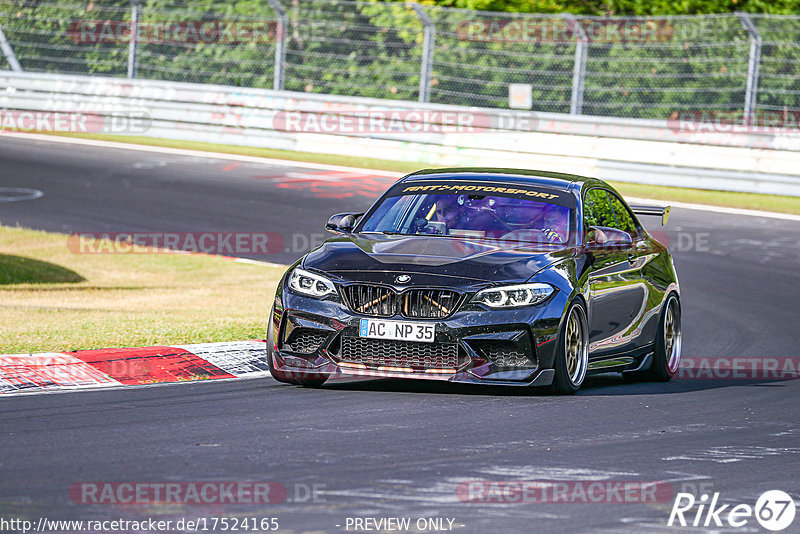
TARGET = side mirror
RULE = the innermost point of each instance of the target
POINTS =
(342, 223)
(603, 238)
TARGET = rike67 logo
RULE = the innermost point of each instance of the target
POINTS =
(774, 510)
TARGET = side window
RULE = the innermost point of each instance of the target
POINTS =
(597, 210)
(624, 217)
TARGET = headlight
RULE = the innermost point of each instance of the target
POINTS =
(513, 296)
(310, 284)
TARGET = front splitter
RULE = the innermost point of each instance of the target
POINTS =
(543, 377)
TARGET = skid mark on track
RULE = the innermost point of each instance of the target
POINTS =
(17, 194)
(790, 432)
(531, 472)
(731, 454)
(614, 437)
(437, 498)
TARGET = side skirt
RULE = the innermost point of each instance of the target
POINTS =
(631, 361)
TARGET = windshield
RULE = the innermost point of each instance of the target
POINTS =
(513, 217)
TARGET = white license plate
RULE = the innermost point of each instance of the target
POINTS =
(402, 330)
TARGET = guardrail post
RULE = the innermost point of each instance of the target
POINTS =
(751, 89)
(578, 69)
(5, 46)
(133, 46)
(281, 35)
(426, 65)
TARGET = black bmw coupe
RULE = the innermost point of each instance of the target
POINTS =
(482, 276)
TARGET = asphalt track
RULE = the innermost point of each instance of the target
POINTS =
(390, 448)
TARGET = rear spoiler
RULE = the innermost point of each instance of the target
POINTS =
(661, 211)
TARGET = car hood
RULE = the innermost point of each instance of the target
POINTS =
(439, 260)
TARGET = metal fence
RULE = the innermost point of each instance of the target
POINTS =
(612, 66)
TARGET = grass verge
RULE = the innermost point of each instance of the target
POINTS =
(54, 300)
(753, 201)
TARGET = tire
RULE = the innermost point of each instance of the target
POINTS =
(667, 350)
(572, 354)
(312, 380)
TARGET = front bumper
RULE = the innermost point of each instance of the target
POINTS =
(514, 347)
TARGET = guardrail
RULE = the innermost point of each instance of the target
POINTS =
(635, 150)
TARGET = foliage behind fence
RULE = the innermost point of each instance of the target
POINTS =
(376, 49)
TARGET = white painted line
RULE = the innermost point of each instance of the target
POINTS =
(209, 255)
(322, 166)
(259, 262)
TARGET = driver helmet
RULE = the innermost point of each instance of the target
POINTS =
(554, 222)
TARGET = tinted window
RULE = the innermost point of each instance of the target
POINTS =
(514, 218)
(624, 217)
(597, 210)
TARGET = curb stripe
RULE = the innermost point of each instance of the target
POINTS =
(118, 367)
(242, 359)
(149, 365)
(26, 372)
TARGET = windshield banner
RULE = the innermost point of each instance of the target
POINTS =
(540, 194)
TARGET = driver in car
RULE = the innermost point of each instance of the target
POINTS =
(554, 224)
(448, 211)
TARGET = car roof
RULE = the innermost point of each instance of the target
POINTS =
(556, 180)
